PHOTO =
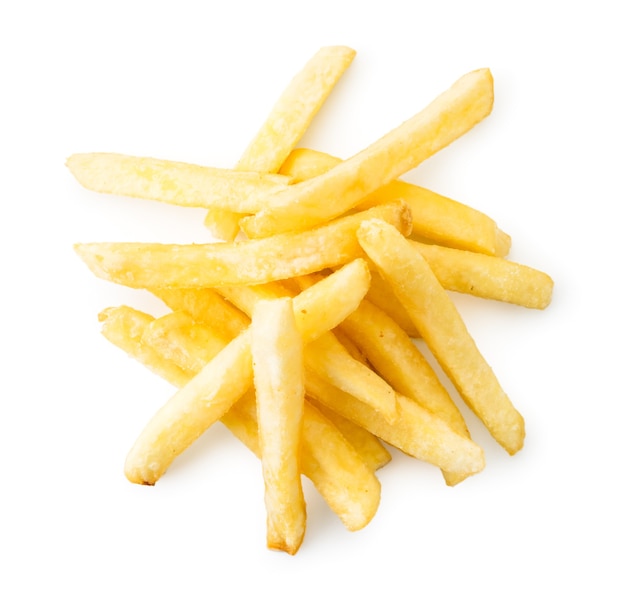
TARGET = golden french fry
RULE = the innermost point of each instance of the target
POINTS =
(124, 326)
(416, 431)
(436, 218)
(338, 472)
(317, 200)
(206, 306)
(221, 382)
(164, 333)
(369, 447)
(246, 262)
(329, 358)
(286, 124)
(278, 368)
(487, 277)
(443, 330)
(178, 183)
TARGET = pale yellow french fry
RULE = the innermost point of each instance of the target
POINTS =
(328, 357)
(436, 218)
(222, 381)
(246, 262)
(340, 474)
(286, 124)
(124, 326)
(444, 331)
(369, 447)
(417, 432)
(278, 368)
(487, 277)
(324, 197)
(177, 183)
(206, 306)
(164, 333)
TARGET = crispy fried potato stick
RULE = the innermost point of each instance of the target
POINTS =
(222, 381)
(278, 368)
(417, 432)
(245, 262)
(317, 200)
(436, 218)
(487, 277)
(444, 331)
(178, 183)
(286, 124)
(338, 472)
(373, 452)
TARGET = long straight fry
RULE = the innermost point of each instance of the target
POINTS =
(285, 125)
(444, 331)
(246, 262)
(312, 202)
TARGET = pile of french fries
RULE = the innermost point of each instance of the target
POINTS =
(295, 325)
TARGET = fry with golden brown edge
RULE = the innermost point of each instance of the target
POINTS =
(417, 432)
(222, 381)
(337, 471)
(369, 447)
(245, 262)
(178, 183)
(443, 330)
(487, 277)
(278, 368)
(286, 124)
(317, 200)
(436, 218)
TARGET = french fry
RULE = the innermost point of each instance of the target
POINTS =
(324, 197)
(278, 368)
(286, 124)
(340, 474)
(369, 447)
(444, 331)
(246, 262)
(177, 183)
(221, 382)
(436, 218)
(487, 277)
(416, 431)
(205, 306)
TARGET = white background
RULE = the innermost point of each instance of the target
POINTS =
(193, 81)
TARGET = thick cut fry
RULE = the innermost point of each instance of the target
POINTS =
(341, 476)
(245, 262)
(278, 367)
(487, 277)
(312, 202)
(416, 431)
(444, 331)
(222, 381)
(436, 218)
(286, 124)
(187, 185)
